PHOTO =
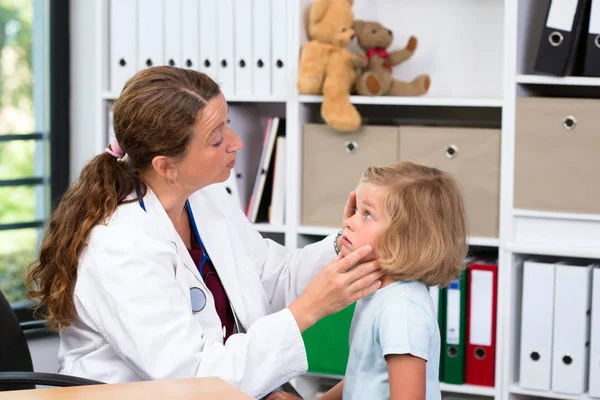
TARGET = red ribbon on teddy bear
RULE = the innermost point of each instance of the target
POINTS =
(380, 51)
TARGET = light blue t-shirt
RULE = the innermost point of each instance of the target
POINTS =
(397, 319)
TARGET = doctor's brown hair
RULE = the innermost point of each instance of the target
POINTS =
(426, 239)
(154, 115)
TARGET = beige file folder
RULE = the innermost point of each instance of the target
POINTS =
(556, 154)
(333, 163)
(472, 155)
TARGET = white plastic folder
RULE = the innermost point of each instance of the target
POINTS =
(572, 303)
(190, 33)
(279, 47)
(173, 37)
(594, 381)
(261, 46)
(123, 42)
(243, 47)
(208, 35)
(225, 27)
(150, 33)
(537, 322)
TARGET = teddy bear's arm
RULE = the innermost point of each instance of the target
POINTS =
(399, 56)
(360, 60)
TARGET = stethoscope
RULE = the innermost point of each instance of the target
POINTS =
(197, 295)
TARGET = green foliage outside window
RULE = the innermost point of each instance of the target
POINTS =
(17, 204)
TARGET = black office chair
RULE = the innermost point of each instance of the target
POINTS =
(16, 367)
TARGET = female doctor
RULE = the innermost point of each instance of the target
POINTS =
(150, 271)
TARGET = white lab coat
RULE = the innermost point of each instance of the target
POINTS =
(134, 319)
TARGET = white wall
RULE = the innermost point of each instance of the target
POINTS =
(84, 83)
(44, 353)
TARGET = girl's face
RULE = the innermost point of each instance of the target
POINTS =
(368, 221)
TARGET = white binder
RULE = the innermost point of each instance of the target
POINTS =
(594, 385)
(225, 27)
(279, 46)
(243, 47)
(208, 38)
(572, 302)
(172, 12)
(123, 42)
(537, 321)
(150, 33)
(190, 33)
(261, 48)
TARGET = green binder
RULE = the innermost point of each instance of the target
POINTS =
(456, 328)
(328, 343)
(442, 324)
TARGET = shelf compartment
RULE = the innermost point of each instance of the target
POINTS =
(515, 389)
(414, 101)
(269, 228)
(557, 80)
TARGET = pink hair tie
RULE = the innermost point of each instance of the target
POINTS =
(114, 149)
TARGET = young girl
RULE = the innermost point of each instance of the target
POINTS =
(414, 218)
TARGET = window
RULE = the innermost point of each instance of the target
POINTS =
(34, 121)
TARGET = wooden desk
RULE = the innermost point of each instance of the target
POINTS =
(194, 388)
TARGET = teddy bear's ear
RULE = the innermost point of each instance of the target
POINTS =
(318, 10)
(357, 26)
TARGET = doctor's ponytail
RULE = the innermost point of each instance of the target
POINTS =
(154, 115)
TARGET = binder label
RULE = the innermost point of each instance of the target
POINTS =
(594, 27)
(453, 313)
(562, 14)
(480, 328)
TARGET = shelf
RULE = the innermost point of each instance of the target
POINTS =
(255, 99)
(317, 230)
(268, 228)
(556, 215)
(109, 96)
(445, 387)
(558, 80)
(413, 101)
(556, 251)
(484, 241)
(325, 231)
(230, 99)
(468, 389)
(515, 389)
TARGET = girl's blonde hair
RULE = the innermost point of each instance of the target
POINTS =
(426, 239)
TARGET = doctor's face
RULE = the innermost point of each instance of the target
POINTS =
(211, 154)
(368, 221)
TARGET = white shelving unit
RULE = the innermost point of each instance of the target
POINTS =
(480, 56)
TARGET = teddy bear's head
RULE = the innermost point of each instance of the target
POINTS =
(330, 21)
(372, 34)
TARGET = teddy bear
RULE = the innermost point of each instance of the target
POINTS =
(377, 79)
(327, 67)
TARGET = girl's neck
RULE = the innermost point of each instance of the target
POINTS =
(387, 280)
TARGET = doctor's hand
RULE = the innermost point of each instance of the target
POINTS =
(283, 396)
(334, 287)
